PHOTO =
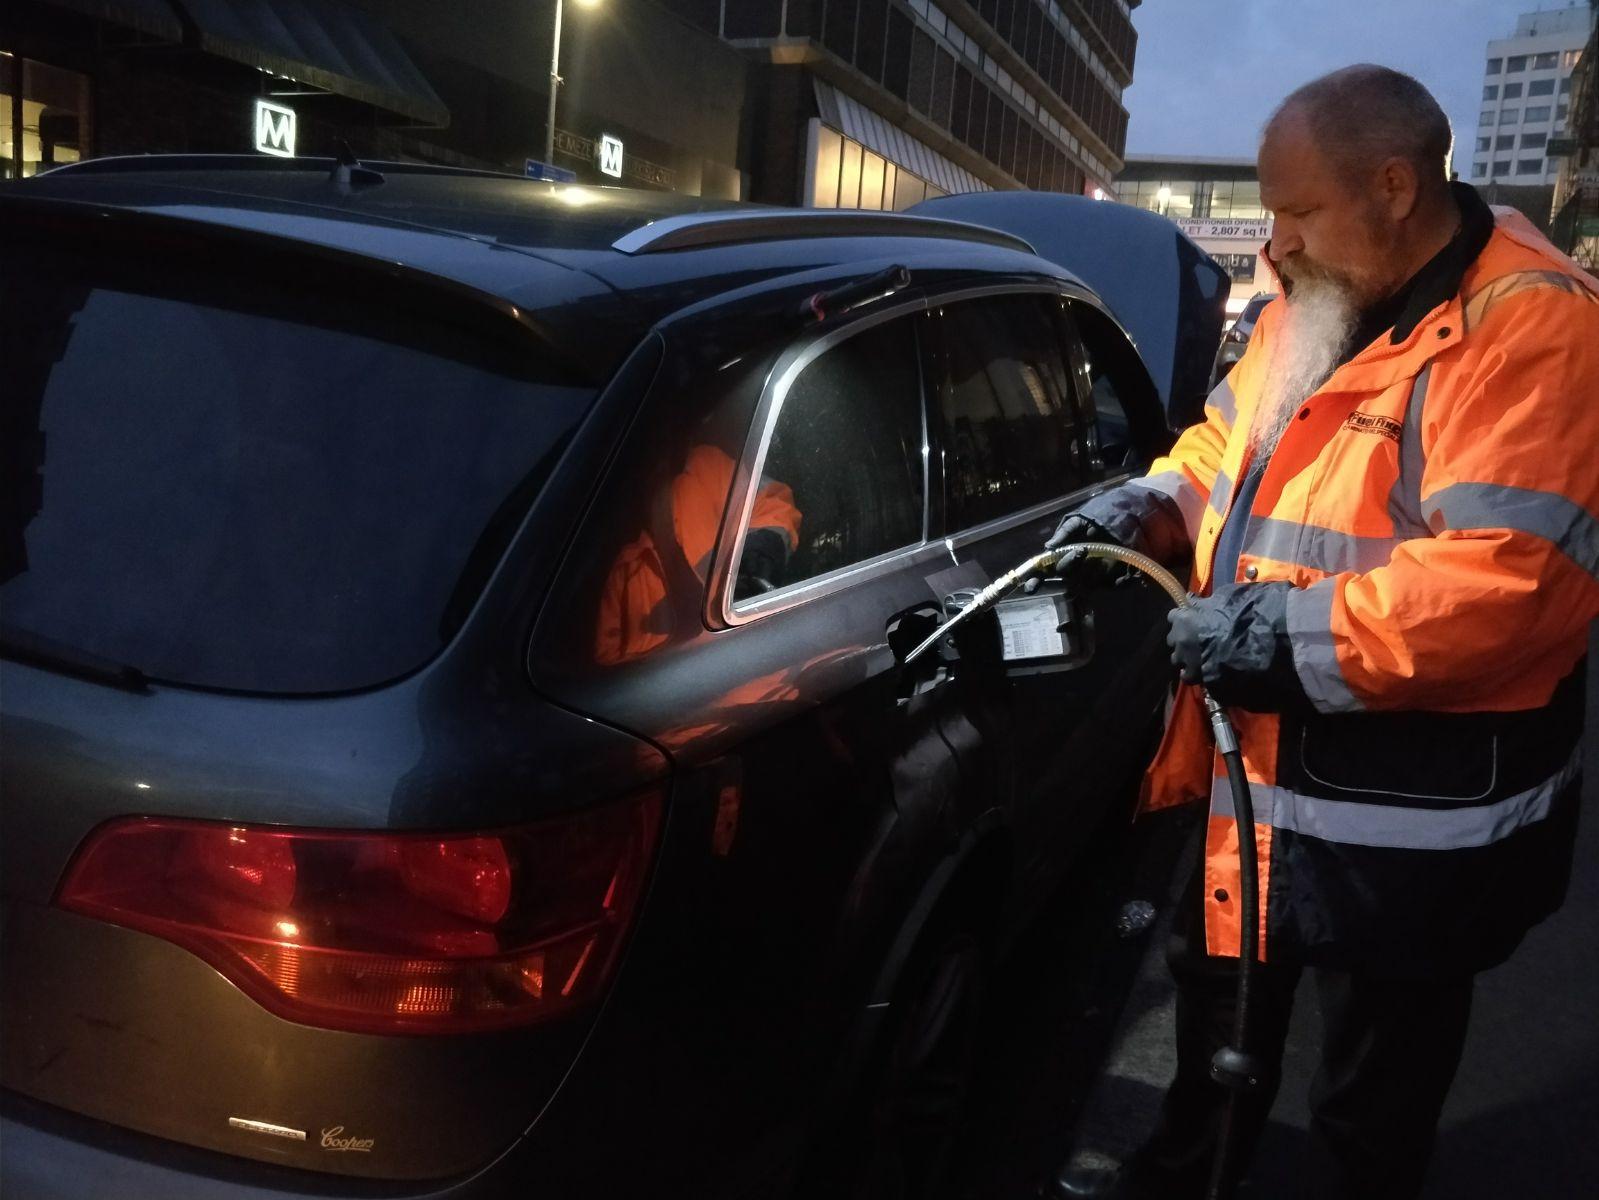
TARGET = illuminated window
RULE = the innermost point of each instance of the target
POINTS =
(55, 107)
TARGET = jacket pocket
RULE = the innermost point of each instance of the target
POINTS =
(1417, 759)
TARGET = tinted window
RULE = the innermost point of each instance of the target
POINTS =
(842, 478)
(1009, 432)
(229, 482)
(1117, 387)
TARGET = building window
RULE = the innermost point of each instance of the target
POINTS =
(1493, 66)
(1565, 86)
(1486, 118)
(1534, 141)
(1529, 166)
(55, 112)
(848, 175)
(1541, 87)
(1484, 143)
(1538, 112)
(1509, 116)
(1546, 61)
(1491, 92)
(1505, 141)
(1560, 114)
(1501, 167)
(1478, 170)
(1516, 62)
(1569, 58)
(1512, 91)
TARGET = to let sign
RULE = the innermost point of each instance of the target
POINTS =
(1225, 229)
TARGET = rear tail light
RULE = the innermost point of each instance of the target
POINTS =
(384, 932)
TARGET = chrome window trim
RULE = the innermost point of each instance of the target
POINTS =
(977, 533)
(721, 610)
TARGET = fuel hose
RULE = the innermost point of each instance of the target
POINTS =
(1233, 1066)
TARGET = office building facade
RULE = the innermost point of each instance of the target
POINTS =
(1575, 227)
(881, 103)
(1526, 97)
(1216, 202)
(410, 80)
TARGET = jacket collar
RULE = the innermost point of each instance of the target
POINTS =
(1431, 316)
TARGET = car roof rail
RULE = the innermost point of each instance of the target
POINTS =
(244, 163)
(697, 231)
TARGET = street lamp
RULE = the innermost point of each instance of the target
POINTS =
(555, 80)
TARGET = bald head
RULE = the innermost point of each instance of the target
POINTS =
(1354, 170)
(1363, 116)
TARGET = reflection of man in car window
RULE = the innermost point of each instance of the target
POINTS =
(635, 612)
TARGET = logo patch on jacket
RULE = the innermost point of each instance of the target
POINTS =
(1371, 423)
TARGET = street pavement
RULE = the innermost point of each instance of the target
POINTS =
(1080, 1047)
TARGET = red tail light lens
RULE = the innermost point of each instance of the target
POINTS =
(384, 932)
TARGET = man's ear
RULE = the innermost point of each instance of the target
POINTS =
(1398, 187)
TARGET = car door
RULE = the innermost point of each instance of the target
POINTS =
(762, 525)
(1019, 442)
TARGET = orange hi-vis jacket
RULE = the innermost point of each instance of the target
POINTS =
(633, 617)
(1435, 505)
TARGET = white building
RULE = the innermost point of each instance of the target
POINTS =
(1526, 91)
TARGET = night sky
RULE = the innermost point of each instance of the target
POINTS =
(1209, 72)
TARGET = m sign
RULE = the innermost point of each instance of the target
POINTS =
(274, 129)
(611, 156)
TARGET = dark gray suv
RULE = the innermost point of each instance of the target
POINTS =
(452, 743)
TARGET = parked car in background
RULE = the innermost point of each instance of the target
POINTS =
(453, 742)
(1236, 340)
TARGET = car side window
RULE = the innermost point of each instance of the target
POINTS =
(1010, 432)
(1116, 389)
(842, 478)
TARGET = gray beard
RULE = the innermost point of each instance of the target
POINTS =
(1321, 316)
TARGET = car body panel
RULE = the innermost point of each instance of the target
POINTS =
(821, 800)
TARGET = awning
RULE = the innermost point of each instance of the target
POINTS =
(327, 44)
(155, 17)
(854, 120)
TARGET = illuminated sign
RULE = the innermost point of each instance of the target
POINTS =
(274, 129)
(1226, 229)
(610, 156)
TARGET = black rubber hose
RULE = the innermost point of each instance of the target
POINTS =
(1233, 1067)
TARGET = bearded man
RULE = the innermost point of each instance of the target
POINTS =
(1391, 509)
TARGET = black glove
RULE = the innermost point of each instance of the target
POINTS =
(1101, 572)
(1235, 643)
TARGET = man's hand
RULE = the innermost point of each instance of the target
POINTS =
(1103, 572)
(1235, 643)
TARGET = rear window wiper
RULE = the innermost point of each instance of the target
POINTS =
(39, 651)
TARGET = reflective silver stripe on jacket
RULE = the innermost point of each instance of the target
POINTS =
(1221, 492)
(1404, 502)
(1548, 515)
(1313, 546)
(1175, 486)
(1355, 823)
(1315, 657)
(1223, 400)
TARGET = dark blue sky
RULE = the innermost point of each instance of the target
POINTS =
(1209, 72)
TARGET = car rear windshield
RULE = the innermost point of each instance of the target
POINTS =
(270, 478)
